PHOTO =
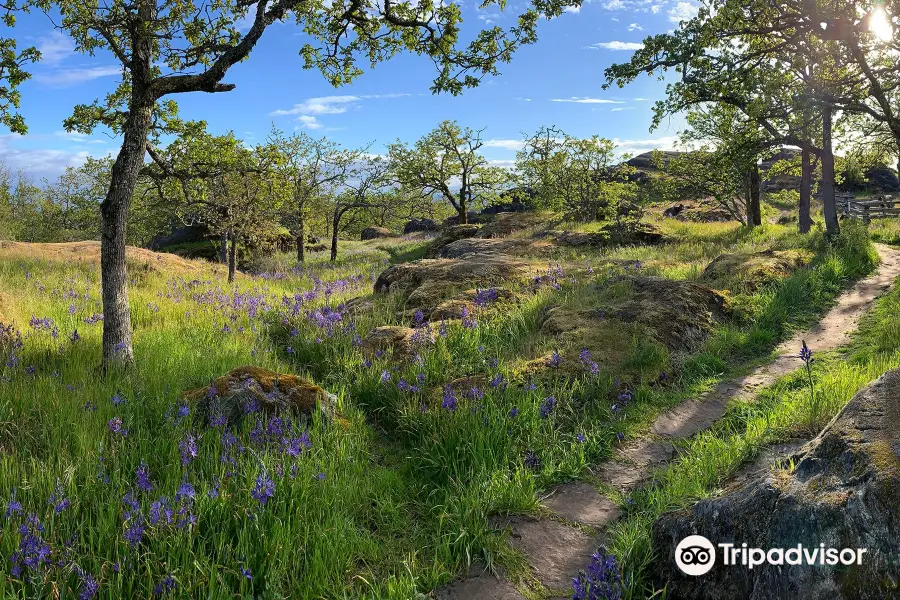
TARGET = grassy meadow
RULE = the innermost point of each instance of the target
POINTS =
(111, 486)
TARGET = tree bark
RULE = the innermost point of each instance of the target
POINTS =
(755, 209)
(804, 218)
(223, 248)
(117, 346)
(334, 233)
(463, 214)
(829, 208)
(232, 258)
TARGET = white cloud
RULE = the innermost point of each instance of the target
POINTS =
(505, 144)
(38, 162)
(503, 164)
(521, 99)
(617, 109)
(309, 122)
(640, 99)
(635, 147)
(614, 5)
(615, 45)
(683, 11)
(78, 138)
(55, 47)
(635, 27)
(656, 8)
(577, 100)
(573, 9)
(328, 105)
(70, 77)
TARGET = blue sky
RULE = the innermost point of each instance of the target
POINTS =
(556, 81)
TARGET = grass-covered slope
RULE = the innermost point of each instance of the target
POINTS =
(390, 497)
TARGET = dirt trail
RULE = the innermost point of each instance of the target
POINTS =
(558, 546)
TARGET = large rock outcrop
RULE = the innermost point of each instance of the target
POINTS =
(843, 492)
(427, 283)
(749, 271)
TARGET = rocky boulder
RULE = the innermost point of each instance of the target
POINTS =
(843, 493)
(751, 271)
(401, 342)
(235, 393)
(374, 233)
(663, 315)
(450, 235)
(609, 235)
(428, 282)
(416, 225)
(470, 246)
(505, 224)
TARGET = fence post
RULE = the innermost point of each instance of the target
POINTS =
(866, 217)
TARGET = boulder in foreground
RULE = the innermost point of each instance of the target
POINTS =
(247, 388)
(843, 493)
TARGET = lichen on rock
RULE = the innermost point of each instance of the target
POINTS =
(843, 493)
(243, 388)
(751, 271)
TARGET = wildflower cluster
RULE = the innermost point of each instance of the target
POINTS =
(601, 580)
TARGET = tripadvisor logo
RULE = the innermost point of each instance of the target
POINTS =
(696, 555)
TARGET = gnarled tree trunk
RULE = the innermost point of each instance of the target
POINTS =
(829, 207)
(117, 345)
(301, 237)
(804, 218)
(223, 248)
(755, 216)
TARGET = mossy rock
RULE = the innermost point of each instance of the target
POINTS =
(400, 342)
(427, 283)
(469, 301)
(506, 224)
(642, 234)
(751, 271)
(843, 493)
(633, 323)
(274, 393)
(449, 235)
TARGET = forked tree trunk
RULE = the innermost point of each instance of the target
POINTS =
(804, 218)
(232, 258)
(829, 208)
(117, 345)
(755, 216)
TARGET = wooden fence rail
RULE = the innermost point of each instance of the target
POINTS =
(877, 208)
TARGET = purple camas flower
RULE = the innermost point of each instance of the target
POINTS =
(385, 376)
(581, 438)
(185, 490)
(497, 381)
(134, 533)
(532, 461)
(264, 489)
(13, 506)
(89, 587)
(58, 499)
(143, 482)
(485, 297)
(419, 317)
(555, 360)
(168, 584)
(117, 399)
(602, 580)
(449, 401)
(246, 572)
(115, 426)
(806, 354)
(547, 406)
(514, 412)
